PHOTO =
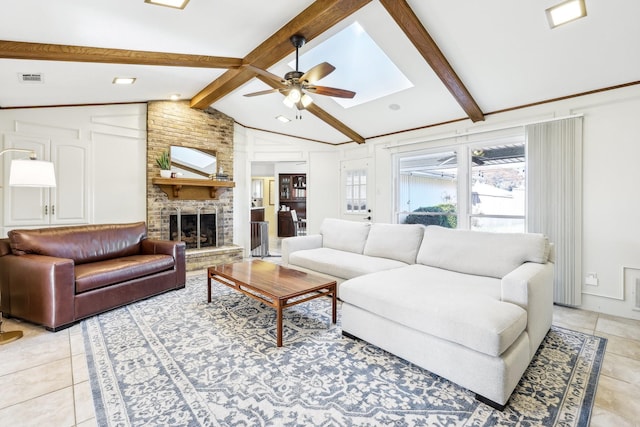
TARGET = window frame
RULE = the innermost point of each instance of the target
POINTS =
(464, 212)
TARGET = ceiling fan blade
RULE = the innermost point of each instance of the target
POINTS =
(331, 91)
(265, 73)
(318, 72)
(262, 92)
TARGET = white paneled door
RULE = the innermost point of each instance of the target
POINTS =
(356, 195)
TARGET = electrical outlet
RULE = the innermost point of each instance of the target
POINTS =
(591, 279)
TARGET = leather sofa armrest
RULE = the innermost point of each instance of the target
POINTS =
(5, 247)
(38, 288)
(169, 247)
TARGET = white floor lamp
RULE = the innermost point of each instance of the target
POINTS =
(26, 173)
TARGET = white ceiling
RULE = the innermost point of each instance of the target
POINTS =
(503, 51)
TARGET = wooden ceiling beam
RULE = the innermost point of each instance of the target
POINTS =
(58, 52)
(407, 20)
(311, 22)
(322, 115)
(335, 123)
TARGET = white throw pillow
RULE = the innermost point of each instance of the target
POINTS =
(394, 241)
(344, 235)
(478, 252)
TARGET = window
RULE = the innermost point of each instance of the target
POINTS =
(356, 190)
(498, 188)
(428, 187)
(491, 199)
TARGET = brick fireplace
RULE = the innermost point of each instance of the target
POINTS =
(176, 124)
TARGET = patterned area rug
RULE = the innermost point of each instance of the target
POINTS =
(174, 360)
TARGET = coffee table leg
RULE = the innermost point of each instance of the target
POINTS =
(334, 304)
(279, 323)
(208, 288)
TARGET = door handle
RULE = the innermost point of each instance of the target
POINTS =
(368, 218)
(53, 209)
(46, 209)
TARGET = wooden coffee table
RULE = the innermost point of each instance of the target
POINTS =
(276, 286)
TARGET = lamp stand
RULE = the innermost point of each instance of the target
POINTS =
(7, 337)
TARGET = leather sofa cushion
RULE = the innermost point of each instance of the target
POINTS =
(104, 273)
(460, 308)
(82, 244)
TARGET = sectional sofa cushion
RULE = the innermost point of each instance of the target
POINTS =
(441, 303)
(481, 253)
(394, 241)
(344, 235)
(344, 265)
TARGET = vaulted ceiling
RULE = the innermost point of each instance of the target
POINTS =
(466, 59)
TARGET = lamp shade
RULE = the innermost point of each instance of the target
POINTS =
(32, 173)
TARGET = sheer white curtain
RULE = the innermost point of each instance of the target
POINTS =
(554, 201)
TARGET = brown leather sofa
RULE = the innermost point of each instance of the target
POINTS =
(57, 276)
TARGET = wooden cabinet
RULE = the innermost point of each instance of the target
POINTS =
(257, 214)
(292, 193)
(67, 203)
(285, 224)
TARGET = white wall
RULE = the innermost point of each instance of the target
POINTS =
(116, 135)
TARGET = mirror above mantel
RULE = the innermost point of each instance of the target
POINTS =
(194, 163)
(195, 175)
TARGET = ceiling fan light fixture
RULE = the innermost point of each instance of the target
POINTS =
(288, 102)
(565, 12)
(295, 94)
(306, 100)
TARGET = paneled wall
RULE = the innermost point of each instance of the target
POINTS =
(114, 138)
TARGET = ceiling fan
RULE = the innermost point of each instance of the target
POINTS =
(296, 84)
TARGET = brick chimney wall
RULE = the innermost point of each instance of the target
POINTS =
(175, 123)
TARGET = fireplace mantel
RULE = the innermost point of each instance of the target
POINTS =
(192, 189)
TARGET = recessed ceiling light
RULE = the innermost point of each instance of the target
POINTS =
(124, 80)
(394, 107)
(283, 119)
(175, 97)
(567, 11)
(178, 4)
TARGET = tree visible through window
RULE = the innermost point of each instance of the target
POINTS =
(428, 189)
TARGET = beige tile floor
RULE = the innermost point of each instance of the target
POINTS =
(44, 375)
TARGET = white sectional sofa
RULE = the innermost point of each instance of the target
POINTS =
(470, 306)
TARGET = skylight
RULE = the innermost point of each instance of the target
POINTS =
(361, 66)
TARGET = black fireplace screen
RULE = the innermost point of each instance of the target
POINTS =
(193, 234)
